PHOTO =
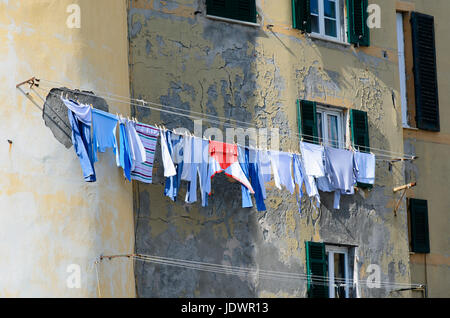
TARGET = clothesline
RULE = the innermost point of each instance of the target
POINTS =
(245, 271)
(178, 133)
(377, 151)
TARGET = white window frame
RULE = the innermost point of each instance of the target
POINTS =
(340, 36)
(325, 111)
(331, 250)
(402, 69)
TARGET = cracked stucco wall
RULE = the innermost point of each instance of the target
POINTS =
(187, 60)
(49, 217)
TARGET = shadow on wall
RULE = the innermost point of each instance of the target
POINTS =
(55, 112)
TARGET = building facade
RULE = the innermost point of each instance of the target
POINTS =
(311, 70)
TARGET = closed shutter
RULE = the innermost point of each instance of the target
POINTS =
(301, 15)
(360, 136)
(358, 30)
(360, 130)
(425, 73)
(420, 242)
(307, 121)
(316, 266)
(243, 10)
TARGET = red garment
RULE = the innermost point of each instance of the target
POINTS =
(225, 154)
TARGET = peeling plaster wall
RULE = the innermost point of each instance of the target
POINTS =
(251, 74)
(49, 217)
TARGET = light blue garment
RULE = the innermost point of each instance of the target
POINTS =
(205, 185)
(365, 165)
(125, 154)
(341, 170)
(198, 167)
(104, 132)
(82, 143)
(243, 157)
(281, 166)
(262, 181)
(298, 179)
(254, 170)
(265, 165)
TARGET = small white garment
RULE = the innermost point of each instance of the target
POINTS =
(366, 167)
(265, 165)
(312, 156)
(282, 169)
(311, 186)
(187, 158)
(169, 167)
(138, 153)
(83, 112)
(259, 155)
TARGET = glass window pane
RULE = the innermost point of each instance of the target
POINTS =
(330, 28)
(330, 9)
(315, 24)
(319, 126)
(339, 274)
(315, 6)
(332, 125)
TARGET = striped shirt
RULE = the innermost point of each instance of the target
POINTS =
(149, 137)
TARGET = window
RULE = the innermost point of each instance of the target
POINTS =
(417, 71)
(326, 19)
(241, 10)
(419, 232)
(402, 68)
(338, 272)
(328, 269)
(320, 123)
(330, 127)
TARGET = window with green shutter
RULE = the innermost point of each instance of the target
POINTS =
(301, 15)
(425, 73)
(360, 136)
(307, 120)
(243, 10)
(316, 266)
(358, 30)
(420, 242)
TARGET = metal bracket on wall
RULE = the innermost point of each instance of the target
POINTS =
(32, 81)
(404, 188)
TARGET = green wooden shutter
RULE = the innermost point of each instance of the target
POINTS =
(317, 268)
(425, 73)
(360, 130)
(243, 10)
(307, 121)
(358, 30)
(360, 136)
(420, 241)
(301, 15)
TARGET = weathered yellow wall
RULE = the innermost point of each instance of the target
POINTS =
(50, 218)
(432, 169)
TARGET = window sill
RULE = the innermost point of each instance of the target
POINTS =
(214, 17)
(319, 37)
(410, 128)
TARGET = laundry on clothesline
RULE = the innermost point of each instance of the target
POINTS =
(196, 160)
